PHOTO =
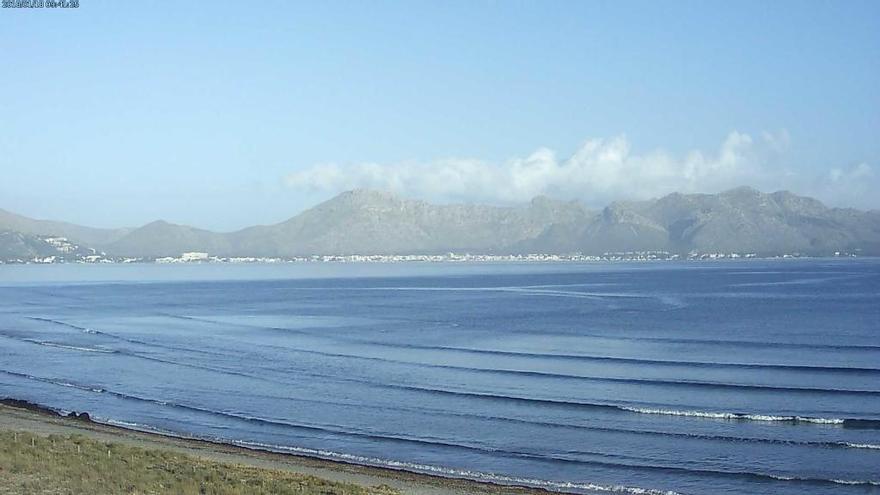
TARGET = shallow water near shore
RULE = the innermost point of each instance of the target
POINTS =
(729, 377)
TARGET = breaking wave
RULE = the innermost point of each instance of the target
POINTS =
(846, 422)
(69, 347)
(452, 472)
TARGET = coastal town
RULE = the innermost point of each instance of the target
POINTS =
(67, 252)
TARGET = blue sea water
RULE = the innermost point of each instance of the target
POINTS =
(692, 378)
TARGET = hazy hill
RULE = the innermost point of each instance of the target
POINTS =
(363, 221)
(21, 246)
(739, 220)
(76, 233)
(160, 238)
(370, 222)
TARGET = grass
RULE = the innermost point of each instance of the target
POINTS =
(75, 464)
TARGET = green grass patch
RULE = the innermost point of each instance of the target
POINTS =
(76, 464)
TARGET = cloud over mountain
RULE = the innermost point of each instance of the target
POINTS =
(600, 170)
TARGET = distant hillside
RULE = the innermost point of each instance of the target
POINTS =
(160, 238)
(21, 246)
(363, 221)
(740, 220)
(76, 233)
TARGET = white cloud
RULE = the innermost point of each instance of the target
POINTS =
(601, 170)
(856, 186)
(847, 177)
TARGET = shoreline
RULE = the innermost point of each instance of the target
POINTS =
(524, 259)
(27, 416)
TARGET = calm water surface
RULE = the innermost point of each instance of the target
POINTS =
(700, 378)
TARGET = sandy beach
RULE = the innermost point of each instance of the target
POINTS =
(33, 420)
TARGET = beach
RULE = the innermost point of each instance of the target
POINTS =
(30, 419)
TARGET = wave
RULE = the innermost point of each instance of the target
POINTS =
(851, 423)
(286, 330)
(57, 322)
(680, 383)
(638, 381)
(92, 331)
(709, 415)
(870, 446)
(607, 379)
(640, 361)
(61, 383)
(70, 347)
(593, 378)
(733, 343)
(138, 356)
(452, 472)
(856, 482)
(846, 422)
(588, 357)
(735, 416)
(286, 424)
(695, 436)
(130, 425)
(433, 411)
(744, 343)
(408, 466)
(436, 443)
(798, 281)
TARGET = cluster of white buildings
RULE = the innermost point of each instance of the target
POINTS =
(61, 244)
(190, 257)
(66, 248)
(721, 256)
(201, 257)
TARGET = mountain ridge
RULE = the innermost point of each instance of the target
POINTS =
(364, 221)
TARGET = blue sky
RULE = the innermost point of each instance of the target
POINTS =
(226, 114)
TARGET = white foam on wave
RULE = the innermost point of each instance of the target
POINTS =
(735, 416)
(837, 481)
(80, 387)
(457, 473)
(138, 427)
(857, 482)
(862, 446)
(71, 347)
(126, 424)
(461, 473)
(821, 421)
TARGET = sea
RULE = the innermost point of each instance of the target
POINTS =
(727, 377)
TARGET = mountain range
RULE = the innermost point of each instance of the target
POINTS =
(741, 220)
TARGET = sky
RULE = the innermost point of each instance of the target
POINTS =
(228, 114)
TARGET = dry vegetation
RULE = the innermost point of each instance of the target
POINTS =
(34, 464)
